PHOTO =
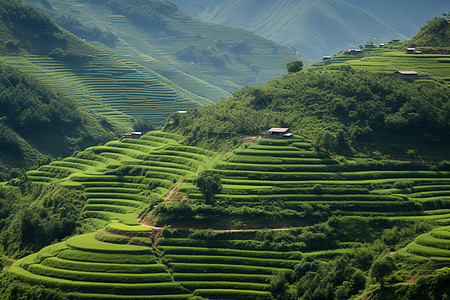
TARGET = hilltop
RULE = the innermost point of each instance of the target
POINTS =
(318, 28)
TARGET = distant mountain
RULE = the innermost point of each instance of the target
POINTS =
(208, 60)
(319, 27)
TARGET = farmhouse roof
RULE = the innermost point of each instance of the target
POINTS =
(411, 49)
(281, 130)
(407, 72)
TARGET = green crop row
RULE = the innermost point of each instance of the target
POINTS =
(106, 208)
(193, 285)
(427, 251)
(311, 197)
(107, 178)
(231, 260)
(143, 142)
(279, 142)
(231, 252)
(103, 236)
(110, 189)
(123, 228)
(429, 240)
(112, 184)
(98, 276)
(280, 167)
(189, 155)
(144, 264)
(222, 277)
(279, 160)
(171, 170)
(189, 149)
(362, 183)
(275, 153)
(431, 194)
(99, 287)
(127, 297)
(115, 202)
(425, 188)
(359, 175)
(272, 148)
(166, 165)
(441, 234)
(223, 268)
(128, 196)
(360, 205)
(87, 242)
(232, 294)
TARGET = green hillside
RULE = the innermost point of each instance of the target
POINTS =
(206, 59)
(115, 89)
(282, 184)
(432, 40)
(37, 123)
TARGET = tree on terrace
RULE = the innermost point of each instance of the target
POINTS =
(209, 184)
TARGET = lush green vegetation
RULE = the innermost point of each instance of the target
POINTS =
(36, 121)
(344, 118)
(290, 221)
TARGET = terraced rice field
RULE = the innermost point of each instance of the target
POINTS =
(120, 178)
(433, 246)
(391, 60)
(111, 88)
(126, 260)
(290, 172)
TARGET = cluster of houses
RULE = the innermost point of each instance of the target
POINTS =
(370, 45)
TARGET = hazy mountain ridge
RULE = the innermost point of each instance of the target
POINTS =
(318, 28)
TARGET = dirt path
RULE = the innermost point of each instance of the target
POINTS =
(172, 191)
(221, 230)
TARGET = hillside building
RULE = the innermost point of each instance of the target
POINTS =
(278, 133)
(353, 52)
(406, 75)
(369, 46)
(132, 135)
(410, 50)
(326, 57)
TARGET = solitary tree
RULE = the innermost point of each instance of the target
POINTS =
(294, 66)
(209, 184)
(381, 268)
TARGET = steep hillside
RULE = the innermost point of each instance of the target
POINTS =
(37, 123)
(207, 60)
(344, 110)
(353, 212)
(323, 27)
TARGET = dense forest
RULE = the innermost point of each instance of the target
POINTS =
(25, 28)
(33, 116)
(338, 108)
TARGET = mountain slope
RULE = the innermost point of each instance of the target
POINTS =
(318, 28)
(206, 59)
